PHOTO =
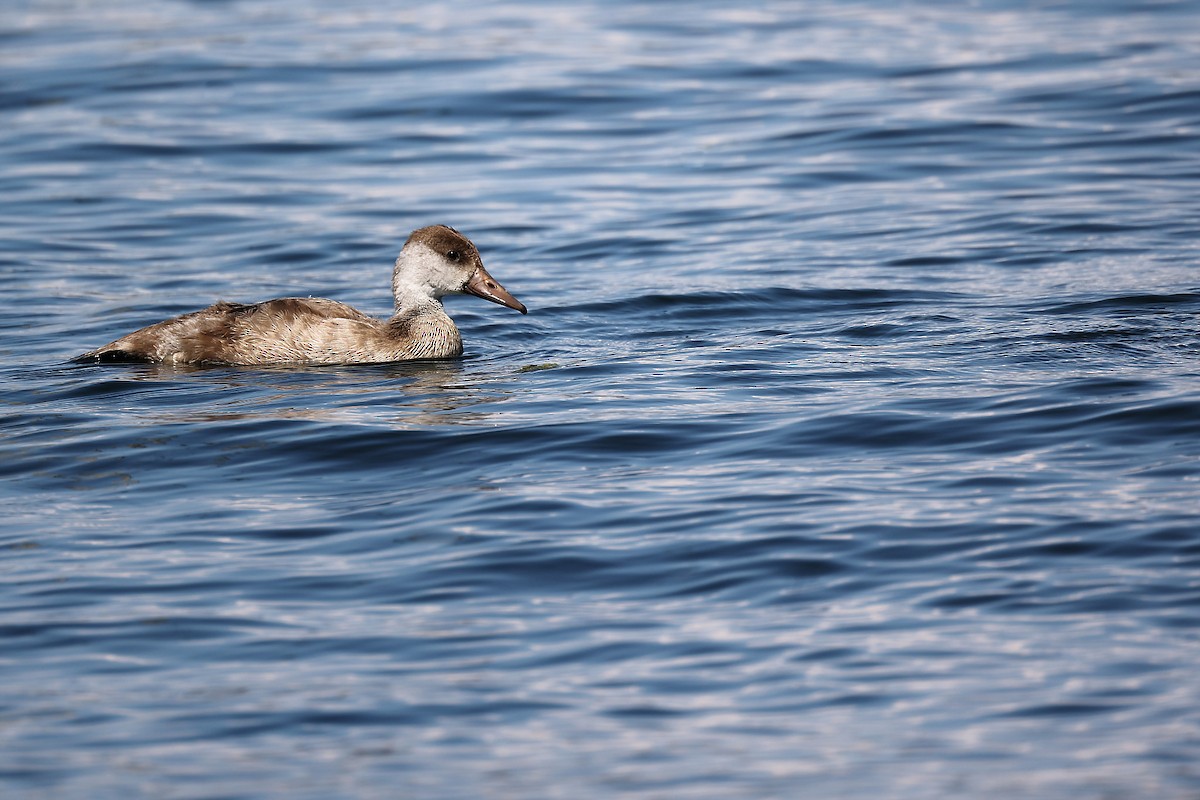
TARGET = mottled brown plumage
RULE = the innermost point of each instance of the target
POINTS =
(434, 262)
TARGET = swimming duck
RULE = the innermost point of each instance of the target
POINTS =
(435, 261)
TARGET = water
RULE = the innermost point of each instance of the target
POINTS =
(850, 448)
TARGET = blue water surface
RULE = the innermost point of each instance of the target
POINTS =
(851, 447)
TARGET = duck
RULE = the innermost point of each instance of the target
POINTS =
(435, 261)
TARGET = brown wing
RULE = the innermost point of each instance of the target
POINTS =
(273, 331)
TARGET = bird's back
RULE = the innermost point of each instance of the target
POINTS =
(289, 330)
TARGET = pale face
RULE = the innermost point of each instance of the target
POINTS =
(439, 260)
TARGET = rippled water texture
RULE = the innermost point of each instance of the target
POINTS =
(850, 448)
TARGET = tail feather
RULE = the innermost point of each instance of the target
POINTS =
(111, 356)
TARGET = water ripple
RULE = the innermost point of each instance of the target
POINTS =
(850, 443)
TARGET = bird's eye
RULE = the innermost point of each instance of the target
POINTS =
(452, 255)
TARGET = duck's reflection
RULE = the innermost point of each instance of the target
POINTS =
(401, 395)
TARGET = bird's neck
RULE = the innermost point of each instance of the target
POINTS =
(423, 331)
(412, 299)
